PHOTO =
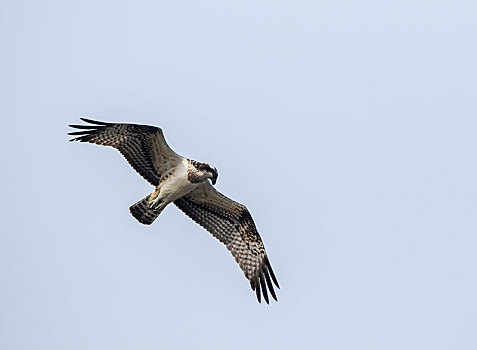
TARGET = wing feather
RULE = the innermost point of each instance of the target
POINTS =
(143, 146)
(231, 223)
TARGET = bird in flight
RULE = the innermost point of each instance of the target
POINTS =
(185, 183)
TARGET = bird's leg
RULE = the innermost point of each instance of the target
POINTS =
(155, 200)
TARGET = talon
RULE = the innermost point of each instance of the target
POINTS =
(155, 203)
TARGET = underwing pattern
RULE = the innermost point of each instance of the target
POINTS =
(231, 223)
(185, 183)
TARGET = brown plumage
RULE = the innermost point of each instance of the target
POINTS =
(185, 183)
(143, 146)
(231, 223)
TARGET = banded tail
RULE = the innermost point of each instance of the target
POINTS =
(143, 212)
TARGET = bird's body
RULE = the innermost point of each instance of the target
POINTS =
(173, 185)
(185, 183)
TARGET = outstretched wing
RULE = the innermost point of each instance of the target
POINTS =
(231, 223)
(143, 146)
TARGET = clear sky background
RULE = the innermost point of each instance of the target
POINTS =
(348, 128)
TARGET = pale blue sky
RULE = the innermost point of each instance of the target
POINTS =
(348, 128)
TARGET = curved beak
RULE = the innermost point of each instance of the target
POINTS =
(214, 179)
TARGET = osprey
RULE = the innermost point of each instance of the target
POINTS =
(185, 183)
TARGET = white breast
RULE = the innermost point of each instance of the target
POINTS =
(177, 184)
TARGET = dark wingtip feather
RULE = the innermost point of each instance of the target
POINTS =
(264, 289)
(269, 283)
(83, 132)
(260, 283)
(86, 131)
(91, 121)
(83, 138)
(257, 291)
(267, 262)
(84, 126)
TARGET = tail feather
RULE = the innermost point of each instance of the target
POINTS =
(143, 212)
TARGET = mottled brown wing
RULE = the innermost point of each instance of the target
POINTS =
(231, 223)
(143, 146)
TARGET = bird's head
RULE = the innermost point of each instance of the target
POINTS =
(211, 172)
